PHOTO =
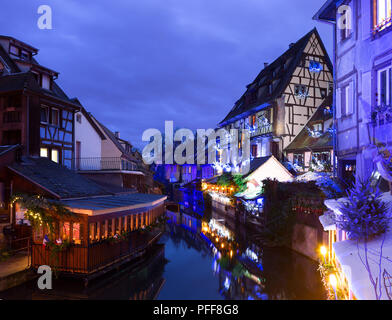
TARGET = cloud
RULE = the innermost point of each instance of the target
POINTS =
(135, 64)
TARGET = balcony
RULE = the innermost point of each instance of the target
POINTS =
(381, 115)
(105, 164)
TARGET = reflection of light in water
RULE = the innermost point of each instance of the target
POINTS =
(219, 229)
(227, 283)
(252, 255)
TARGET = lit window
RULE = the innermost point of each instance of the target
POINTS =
(346, 29)
(65, 230)
(55, 117)
(44, 114)
(55, 155)
(384, 14)
(44, 152)
(76, 233)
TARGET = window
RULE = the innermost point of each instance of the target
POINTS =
(55, 117)
(14, 50)
(323, 93)
(384, 86)
(65, 230)
(55, 155)
(318, 127)
(76, 233)
(383, 14)
(44, 114)
(46, 82)
(346, 100)
(44, 152)
(24, 55)
(299, 159)
(301, 91)
(79, 118)
(37, 77)
(1, 68)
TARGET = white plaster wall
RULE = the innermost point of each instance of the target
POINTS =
(89, 138)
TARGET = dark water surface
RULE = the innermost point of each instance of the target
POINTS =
(190, 264)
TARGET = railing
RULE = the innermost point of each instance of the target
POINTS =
(105, 163)
(261, 130)
(94, 257)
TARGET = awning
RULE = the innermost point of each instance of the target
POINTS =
(110, 204)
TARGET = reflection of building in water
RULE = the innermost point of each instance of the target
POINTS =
(141, 281)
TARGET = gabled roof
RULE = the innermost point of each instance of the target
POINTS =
(278, 74)
(26, 80)
(115, 140)
(89, 118)
(303, 141)
(56, 179)
(9, 62)
(327, 12)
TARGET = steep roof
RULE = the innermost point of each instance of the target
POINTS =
(58, 180)
(304, 141)
(26, 80)
(278, 74)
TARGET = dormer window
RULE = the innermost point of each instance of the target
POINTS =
(46, 81)
(14, 50)
(25, 55)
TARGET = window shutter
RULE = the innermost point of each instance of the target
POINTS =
(338, 103)
(351, 98)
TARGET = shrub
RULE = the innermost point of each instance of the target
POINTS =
(365, 215)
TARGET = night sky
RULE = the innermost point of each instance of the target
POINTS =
(134, 64)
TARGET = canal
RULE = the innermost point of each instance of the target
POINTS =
(195, 259)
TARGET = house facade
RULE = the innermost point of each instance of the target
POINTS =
(107, 159)
(34, 112)
(280, 101)
(363, 80)
(312, 148)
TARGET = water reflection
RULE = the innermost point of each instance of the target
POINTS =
(239, 267)
(212, 259)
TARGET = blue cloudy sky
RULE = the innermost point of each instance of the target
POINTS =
(134, 64)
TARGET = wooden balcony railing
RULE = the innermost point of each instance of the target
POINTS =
(94, 257)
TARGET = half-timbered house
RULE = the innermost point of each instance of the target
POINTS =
(283, 97)
(312, 148)
(34, 112)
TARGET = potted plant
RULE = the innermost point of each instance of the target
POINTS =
(383, 163)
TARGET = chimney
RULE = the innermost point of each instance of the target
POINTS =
(117, 134)
(266, 64)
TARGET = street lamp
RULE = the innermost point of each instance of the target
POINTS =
(324, 252)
